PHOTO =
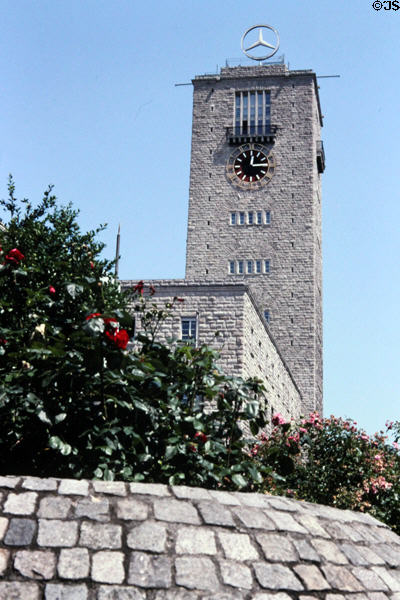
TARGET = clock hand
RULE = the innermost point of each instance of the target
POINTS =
(259, 164)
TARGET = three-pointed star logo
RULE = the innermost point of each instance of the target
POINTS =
(260, 42)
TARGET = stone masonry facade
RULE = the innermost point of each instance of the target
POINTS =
(244, 342)
(95, 540)
(292, 289)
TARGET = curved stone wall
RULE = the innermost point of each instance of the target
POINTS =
(92, 540)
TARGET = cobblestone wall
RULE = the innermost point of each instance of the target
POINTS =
(82, 540)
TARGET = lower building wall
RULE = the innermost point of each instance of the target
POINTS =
(228, 320)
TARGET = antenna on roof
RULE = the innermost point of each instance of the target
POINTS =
(117, 251)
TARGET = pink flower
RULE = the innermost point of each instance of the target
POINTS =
(52, 290)
(396, 445)
(278, 419)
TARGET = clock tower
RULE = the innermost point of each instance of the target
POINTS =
(255, 204)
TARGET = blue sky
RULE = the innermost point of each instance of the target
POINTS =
(88, 100)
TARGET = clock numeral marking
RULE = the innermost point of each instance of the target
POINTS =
(244, 178)
(239, 160)
(258, 177)
(251, 179)
(239, 173)
(244, 154)
(258, 154)
(263, 172)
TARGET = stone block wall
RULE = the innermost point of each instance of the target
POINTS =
(94, 540)
(246, 347)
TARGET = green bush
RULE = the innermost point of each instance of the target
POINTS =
(74, 401)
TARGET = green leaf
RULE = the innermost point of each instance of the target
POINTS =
(74, 290)
(44, 418)
(60, 417)
(239, 480)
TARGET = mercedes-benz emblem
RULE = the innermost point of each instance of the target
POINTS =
(261, 43)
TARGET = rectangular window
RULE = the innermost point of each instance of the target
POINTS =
(249, 266)
(241, 218)
(266, 266)
(259, 217)
(252, 112)
(258, 266)
(233, 218)
(189, 328)
(232, 267)
(267, 316)
(267, 217)
(250, 218)
(240, 266)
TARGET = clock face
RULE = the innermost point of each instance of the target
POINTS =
(250, 166)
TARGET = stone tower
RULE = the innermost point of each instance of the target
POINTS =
(255, 203)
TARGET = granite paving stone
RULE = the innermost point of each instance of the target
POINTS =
(131, 509)
(237, 546)
(54, 532)
(74, 487)
(15, 590)
(94, 508)
(276, 547)
(379, 596)
(36, 564)
(183, 491)
(20, 532)
(149, 571)
(329, 551)
(108, 566)
(178, 511)
(285, 522)
(54, 507)
(177, 595)
(305, 550)
(253, 518)
(120, 592)
(389, 554)
(20, 504)
(225, 498)
(40, 485)
(312, 577)
(267, 596)
(116, 488)
(341, 578)
(369, 579)
(373, 558)
(152, 489)
(389, 577)
(59, 591)
(214, 513)
(313, 525)
(195, 540)
(196, 573)
(3, 526)
(236, 574)
(73, 563)
(4, 556)
(100, 536)
(277, 577)
(9, 481)
(150, 536)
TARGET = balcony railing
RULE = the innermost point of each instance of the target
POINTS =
(251, 133)
(320, 157)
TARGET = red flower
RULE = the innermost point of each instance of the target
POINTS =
(121, 339)
(139, 287)
(201, 436)
(52, 290)
(93, 316)
(14, 256)
(3, 342)
(179, 299)
(152, 290)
